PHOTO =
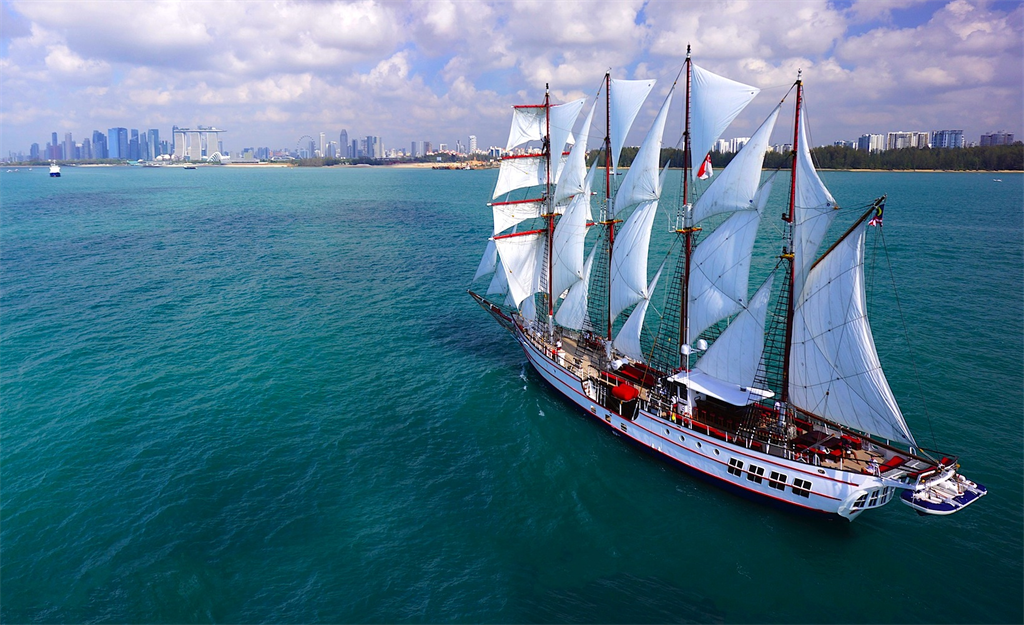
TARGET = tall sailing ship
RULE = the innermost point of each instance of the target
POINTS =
(778, 395)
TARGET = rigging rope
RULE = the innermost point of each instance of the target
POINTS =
(906, 336)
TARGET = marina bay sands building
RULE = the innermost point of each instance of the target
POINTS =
(193, 144)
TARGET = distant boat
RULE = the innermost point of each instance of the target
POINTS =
(997, 180)
(54, 170)
(190, 166)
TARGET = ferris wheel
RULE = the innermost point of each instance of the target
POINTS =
(304, 143)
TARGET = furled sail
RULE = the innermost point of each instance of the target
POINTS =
(508, 214)
(734, 357)
(523, 259)
(627, 340)
(570, 181)
(714, 102)
(642, 182)
(720, 268)
(734, 189)
(573, 311)
(834, 368)
(814, 210)
(625, 99)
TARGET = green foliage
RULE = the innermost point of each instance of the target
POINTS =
(989, 158)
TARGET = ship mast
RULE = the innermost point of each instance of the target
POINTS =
(549, 205)
(688, 230)
(608, 190)
(787, 252)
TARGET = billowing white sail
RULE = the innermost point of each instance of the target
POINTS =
(567, 245)
(563, 118)
(627, 340)
(528, 124)
(517, 172)
(735, 355)
(734, 189)
(508, 214)
(814, 210)
(522, 257)
(499, 281)
(573, 311)
(570, 181)
(626, 97)
(714, 102)
(719, 272)
(642, 182)
(629, 258)
(834, 368)
(488, 261)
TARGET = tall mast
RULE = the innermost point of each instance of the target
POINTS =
(608, 189)
(787, 253)
(684, 304)
(549, 205)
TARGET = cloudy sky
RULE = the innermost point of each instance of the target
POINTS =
(439, 70)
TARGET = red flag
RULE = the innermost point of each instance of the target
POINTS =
(705, 170)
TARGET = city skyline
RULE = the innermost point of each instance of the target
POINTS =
(442, 71)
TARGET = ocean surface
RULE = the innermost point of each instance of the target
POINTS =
(230, 395)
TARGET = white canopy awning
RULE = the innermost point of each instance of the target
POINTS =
(720, 389)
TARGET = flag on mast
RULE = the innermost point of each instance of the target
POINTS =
(705, 170)
(877, 219)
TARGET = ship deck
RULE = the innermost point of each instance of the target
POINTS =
(800, 439)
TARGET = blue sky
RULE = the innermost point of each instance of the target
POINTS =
(270, 72)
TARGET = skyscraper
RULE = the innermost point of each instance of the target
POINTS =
(69, 147)
(99, 144)
(133, 145)
(153, 139)
(947, 138)
(345, 148)
(117, 143)
(472, 144)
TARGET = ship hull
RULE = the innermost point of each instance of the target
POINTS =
(747, 472)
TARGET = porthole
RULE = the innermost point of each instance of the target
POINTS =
(682, 438)
(698, 445)
(716, 452)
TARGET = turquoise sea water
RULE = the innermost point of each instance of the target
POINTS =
(264, 396)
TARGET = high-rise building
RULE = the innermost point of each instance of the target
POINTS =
(99, 144)
(906, 139)
(428, 148)
(69, 147)
(343, 141)
(117, 143)
(153, 141)
(86, 154)
(871, 143)
(412, 150)
(997, 138)
(353, 151)
(323, 145)
(472, 144)
(33, 153)
(947, 138)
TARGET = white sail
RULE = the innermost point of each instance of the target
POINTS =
(642, 182)
(720, 269)
(570, 181)
(488, 261)
(528, 124)
(714, 102)
(522, 257)
(499, 281)
(517, 172)
(625, 99)
(834, 368)
(629, 258)
(508, 214)
(627, 340)
(734, 189)
(563, 118)
(567, 245)
(814, 210)
(573, 311)
(734, 357)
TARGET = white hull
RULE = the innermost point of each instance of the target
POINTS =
(761, 475)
